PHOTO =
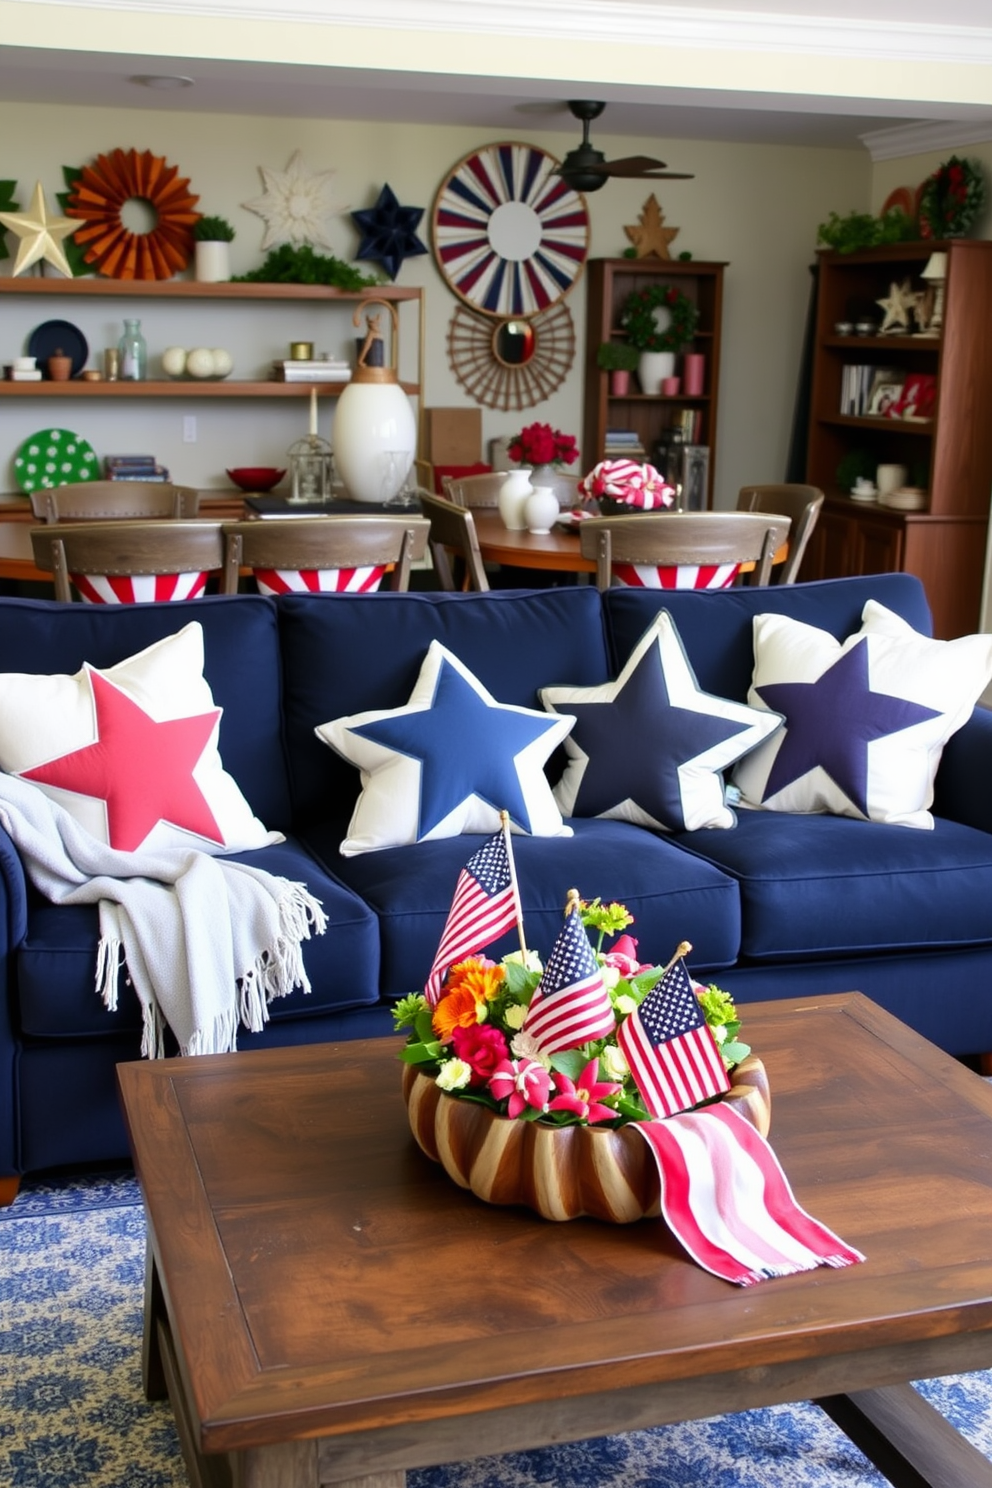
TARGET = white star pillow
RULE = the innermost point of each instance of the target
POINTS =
(131, 751)
(447, 762)
(650, 747)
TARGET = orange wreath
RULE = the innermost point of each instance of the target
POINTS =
(99, 194)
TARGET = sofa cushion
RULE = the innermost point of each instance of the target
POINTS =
(651, 747)
(866, 718)
(716, 626)
(241, 666)
(351, 653)
(448, 761)
(834, 886)
(56, 992)
(131, 751)
(672, 895)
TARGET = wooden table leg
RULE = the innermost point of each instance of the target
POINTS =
(907, 1440)
(152, 1373)
(296, 1465)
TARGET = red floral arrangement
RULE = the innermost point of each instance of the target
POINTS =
(539, 444)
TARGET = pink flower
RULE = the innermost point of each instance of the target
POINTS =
(627, 481)
(583, 1099)
(623, 958)
(523, 1082)
(482, 1047)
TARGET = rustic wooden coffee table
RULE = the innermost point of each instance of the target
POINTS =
(325, 1306)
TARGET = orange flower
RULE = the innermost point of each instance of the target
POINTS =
(470, 985)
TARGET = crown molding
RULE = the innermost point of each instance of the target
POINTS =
(922, 137)
(631, 22)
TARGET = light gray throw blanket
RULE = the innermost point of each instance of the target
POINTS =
(206, 942)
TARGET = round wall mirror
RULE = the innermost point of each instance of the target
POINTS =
(514, 342)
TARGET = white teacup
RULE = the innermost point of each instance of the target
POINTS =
(863, 487)
(890, 478)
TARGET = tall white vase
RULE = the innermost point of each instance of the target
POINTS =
(653, 368)
(513, 494)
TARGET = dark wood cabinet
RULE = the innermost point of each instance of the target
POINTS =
(949, 454)
(608, 283)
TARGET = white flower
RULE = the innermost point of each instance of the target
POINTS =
(610, 975)
(614, 1064)
(625, 1005)
(531, 961)
(719, 1033)
(525, 1046)
(454, 1074)
(514, 1015)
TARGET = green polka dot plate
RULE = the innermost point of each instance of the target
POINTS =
(54, 457)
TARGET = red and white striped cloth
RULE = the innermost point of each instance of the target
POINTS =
(726, 1199)
(682, 576)
(319, 580)
(138, 588)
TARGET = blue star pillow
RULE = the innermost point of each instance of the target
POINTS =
(448, 761)
(866, 718)
(650, 748)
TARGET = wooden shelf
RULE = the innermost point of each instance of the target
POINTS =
(880, 425)
(191, 289)
(178, 389)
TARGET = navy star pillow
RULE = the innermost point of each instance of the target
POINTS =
(447, 762)
(651, 747)
(866, 719)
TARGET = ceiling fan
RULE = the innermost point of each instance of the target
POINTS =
(587, 169)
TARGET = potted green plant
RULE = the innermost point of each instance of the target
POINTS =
(619, 358)
(212, 236)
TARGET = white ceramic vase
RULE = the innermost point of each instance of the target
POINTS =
(513, 494)
(541, 511)
(373, 426)
(653, 368)
(213, 261)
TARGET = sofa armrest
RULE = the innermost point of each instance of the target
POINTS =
(13, 896)
(963, 788)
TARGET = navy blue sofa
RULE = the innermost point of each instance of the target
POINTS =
(778, 906)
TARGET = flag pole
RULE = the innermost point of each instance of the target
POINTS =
(681, 951)
(504, 819)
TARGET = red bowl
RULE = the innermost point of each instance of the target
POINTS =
(256, 477)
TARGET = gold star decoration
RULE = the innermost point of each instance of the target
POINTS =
(652, 236)
(41, 236)
(295, 204)
(901, 302)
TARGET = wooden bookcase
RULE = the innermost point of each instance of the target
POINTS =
(949, 454)
(608, 283)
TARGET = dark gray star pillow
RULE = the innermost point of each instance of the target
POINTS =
(651, 747)
(866, 718)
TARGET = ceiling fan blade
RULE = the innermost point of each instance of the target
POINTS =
(643, 168)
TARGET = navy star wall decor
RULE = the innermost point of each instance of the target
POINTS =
(389, 232)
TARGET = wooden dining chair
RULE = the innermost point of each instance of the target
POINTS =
(130, 562)
(483, 490)
(313, 555)
(682, 550)
(453, 531)
(802, 504)
(91, 501)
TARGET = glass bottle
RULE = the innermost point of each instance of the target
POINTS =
(133, 353)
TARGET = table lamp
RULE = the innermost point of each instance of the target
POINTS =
(935, 273)
(375, 433)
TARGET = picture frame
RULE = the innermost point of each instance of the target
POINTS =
(883, 399)
(695, 478)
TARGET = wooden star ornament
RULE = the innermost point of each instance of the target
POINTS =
(651, 235)
(899, 306)
(41, 236)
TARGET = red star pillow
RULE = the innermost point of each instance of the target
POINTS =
(131, 752)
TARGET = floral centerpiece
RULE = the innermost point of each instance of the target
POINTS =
(624, 485)
(951, 199)
(539, 444)
(638, 318)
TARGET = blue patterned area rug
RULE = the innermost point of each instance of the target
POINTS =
(73, 1414)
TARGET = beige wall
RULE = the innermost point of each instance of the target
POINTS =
(755, 207)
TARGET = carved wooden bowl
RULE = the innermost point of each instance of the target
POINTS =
(562, 1172)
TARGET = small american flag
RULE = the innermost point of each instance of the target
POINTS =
(571, 1005)
(484, 906)
(672, 1054)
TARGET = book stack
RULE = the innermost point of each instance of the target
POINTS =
(690, 422)
(869, 391)
(134, 468)
(321, 369)
(623, 444)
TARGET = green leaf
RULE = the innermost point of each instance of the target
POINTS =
(423, 1026)
(631, 1108)
(520, 983)
(734, 1051)
(570, 1062)
(7, 204)
(73, 252)
(302, 265)
(420, 1053)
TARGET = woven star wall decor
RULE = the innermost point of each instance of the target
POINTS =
(41, 236)
(295, 204)
(389, 232)
(651, 235)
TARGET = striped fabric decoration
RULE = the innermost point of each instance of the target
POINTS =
(138, 588)
(683, 576)
(319, 580)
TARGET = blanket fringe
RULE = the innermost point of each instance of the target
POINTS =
(279, 968)
(152, 1032)
(220, 1038)
(109, 956)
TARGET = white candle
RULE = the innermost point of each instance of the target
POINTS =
(313, 412)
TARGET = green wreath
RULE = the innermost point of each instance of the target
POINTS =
(637, 318)
(951, 199)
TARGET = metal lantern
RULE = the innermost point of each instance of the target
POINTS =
(311, 463)
(375, 433)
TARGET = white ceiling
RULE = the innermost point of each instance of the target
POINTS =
(855, 28)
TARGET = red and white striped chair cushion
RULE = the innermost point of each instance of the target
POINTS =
(139, 588)
(683, 576)
(319, 580)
